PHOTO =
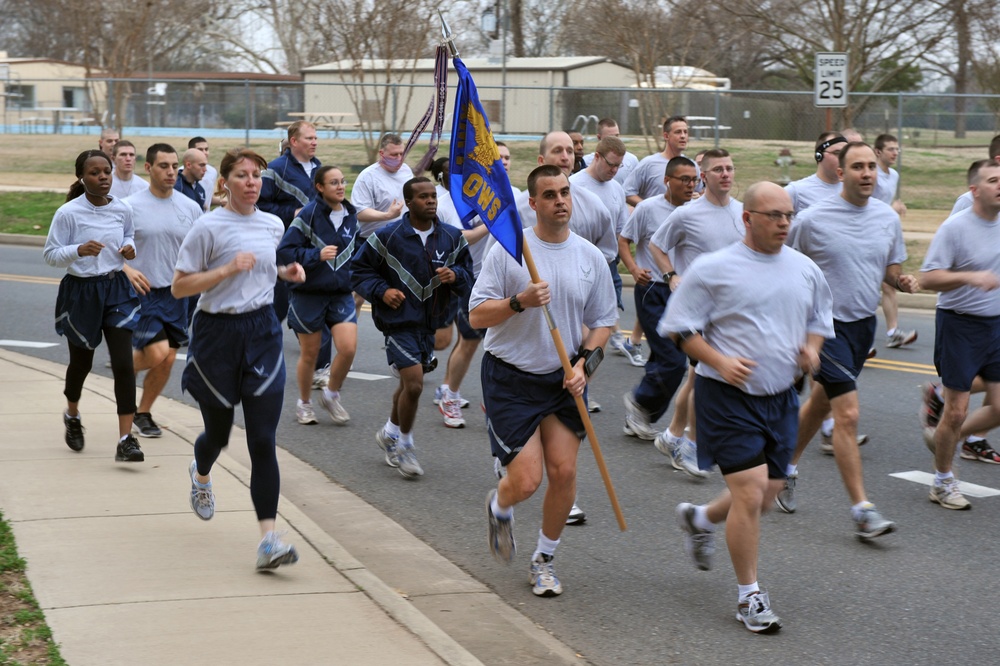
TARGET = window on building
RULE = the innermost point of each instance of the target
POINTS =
(20, 97)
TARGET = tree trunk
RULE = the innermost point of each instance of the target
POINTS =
(962, 71)
(517, 26)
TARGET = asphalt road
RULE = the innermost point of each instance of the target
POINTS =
(920, 596)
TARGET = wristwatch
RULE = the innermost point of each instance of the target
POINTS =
(667, 276)
(515, 304)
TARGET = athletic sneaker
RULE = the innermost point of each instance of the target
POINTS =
(872, 524)
(948, 495)
(499, 533)
(901, 339)
(785, 499)
(439, 393)
(321, 378)
(634, 354)
(128, 450)
(699, 544)
(144, 425)
(593, 405)
(637, 420)
(685, 458)
(872, 352)
(826, 442)
(452, 413)
(407, 459)
(387, 443)
(576, 516)
(74, 431)
(543, 577)
(980, 450)
(304, 414)
(272, 552)
(333, 407)
(617, 342)
(756, 615)
(931, 406)
(202, 497)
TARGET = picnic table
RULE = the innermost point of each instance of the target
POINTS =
(326, 120)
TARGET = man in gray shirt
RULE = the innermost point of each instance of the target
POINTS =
(858, 242)
(646, 180)
(824, 183)
(962, 264)
(754, 314)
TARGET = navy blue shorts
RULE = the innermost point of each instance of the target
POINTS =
(234, 355)
(85, 305)
(843, 356)
(966, 346)
(409, 346)
(516, 402)
(462, 322)
(163, 317)
(311, 312)
(739, 431)
(616, 278)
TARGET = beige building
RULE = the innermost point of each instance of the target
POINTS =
(46, 91)
(520, 96)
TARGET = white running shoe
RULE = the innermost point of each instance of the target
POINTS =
(452, 413)
(333, 407)
(304, 413)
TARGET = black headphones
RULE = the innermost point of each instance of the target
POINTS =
(821, 148)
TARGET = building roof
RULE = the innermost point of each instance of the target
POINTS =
(474, 64)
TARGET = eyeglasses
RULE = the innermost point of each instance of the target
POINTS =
(719, 170)
(774, 215)
(687, 180)
(610, 164)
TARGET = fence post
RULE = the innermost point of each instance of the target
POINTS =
(552, 108)
(246, 93)
(718, 118)
(899, 126)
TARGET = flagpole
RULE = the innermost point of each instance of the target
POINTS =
(557, 340)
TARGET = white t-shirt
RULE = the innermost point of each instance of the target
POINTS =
(852, 245)
(582, 295)
(611, 194)
(126, 188)
(589, 219)
(699, 227)
(208, 184)
(963, 202)
(214, 241)
(377, 188)
(645, 220)
(966, 242)
(809, 190)
(646, 180)
(886, 185)
(753, 305)
(446, 208)
(78, 221)
(629, 163)
(160, 228)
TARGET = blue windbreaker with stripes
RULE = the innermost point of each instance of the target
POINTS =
(309, 233)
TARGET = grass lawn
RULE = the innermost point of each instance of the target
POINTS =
(25, 638)
(28, 212)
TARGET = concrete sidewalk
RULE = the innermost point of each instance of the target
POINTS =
(126, 574)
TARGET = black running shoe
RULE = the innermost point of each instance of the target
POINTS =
(129, 451)
(144, 425)
(74, 432)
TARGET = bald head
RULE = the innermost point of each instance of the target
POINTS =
(767, 214)
(556, 148)
(195, 164)
(766, 191)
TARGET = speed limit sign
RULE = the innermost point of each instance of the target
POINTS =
(831, 79)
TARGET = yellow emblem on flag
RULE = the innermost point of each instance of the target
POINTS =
(485, 151)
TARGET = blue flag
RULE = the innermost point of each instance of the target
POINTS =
(479, 184)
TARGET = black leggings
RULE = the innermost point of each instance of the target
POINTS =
(81, 360)
(261, 415)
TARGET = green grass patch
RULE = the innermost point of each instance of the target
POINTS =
(28, 212)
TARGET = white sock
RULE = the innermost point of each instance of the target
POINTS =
(747, 590)
(889, 333)
(122, 438)
(500, 512)
(449, 394)
(701, 520)
(827, 427)
(391, 429)
(791, 469)
(972, 439)
(941, 477)
(303, 402)
(406, 438)
(331, 395)
(66, 415)
(857, 508)
(546, 546)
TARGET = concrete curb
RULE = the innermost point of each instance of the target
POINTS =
(24, 239)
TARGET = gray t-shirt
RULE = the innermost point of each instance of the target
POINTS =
(609, 192)
(963, 202)
(753, 305)
(646, 180)
(699, 227)
(853, 246)
(215, 239)
(966, 242)
(78, 221)
(629, 163)
(590, 219)
(126, 188)
(886, 185)
(377, 188)
(160, 228)
(582, 295)
(809, 190)
(646, 219)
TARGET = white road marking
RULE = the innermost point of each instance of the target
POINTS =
(927, 479)
(364, 376)
(27, 343)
